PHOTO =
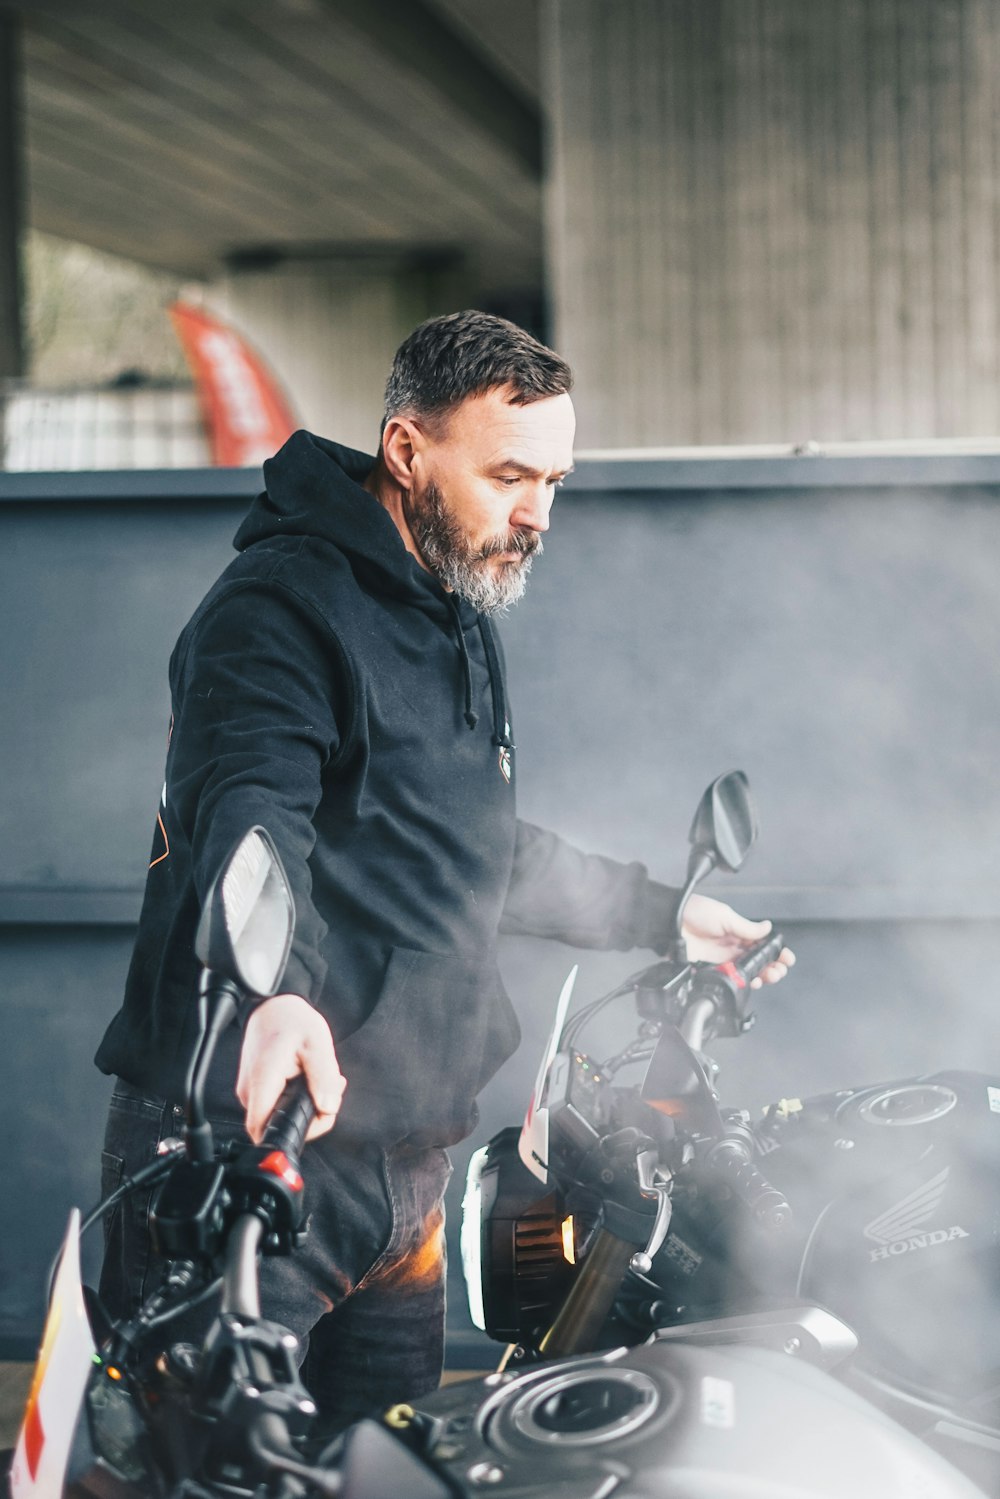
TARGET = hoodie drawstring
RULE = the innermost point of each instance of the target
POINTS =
(471, 717)
(501, 731)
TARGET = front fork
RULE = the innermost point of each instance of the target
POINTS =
(585, 1312)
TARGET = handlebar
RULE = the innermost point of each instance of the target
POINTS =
(265, 1180)
(290, 1119)
(755, 959)
(240, 1283)
(765, 1202)
(716, 1003)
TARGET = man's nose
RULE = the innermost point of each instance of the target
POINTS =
(533, 508)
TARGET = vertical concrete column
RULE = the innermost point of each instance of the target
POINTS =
(775, 222)
(11, 199)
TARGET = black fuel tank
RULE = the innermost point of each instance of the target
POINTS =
(896, 1194)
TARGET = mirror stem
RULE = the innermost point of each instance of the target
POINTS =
(218, 999)
(701, 863)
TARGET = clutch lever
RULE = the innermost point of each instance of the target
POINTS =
(646, 1163)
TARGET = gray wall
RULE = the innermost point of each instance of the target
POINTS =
(329, 329)
(828, 625)
(774, 221)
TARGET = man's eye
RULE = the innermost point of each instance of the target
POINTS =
(509, 480)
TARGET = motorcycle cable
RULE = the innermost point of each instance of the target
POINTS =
(190, 1305)
(660, 975)
(636, 1051)
(130, 1184)
(145, 1176)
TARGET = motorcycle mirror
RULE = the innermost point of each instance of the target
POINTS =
(724, 826)
(248, 917)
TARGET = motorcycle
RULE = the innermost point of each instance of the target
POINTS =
(627, 1212)
(129, 1411)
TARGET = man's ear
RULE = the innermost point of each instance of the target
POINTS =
(401, 440)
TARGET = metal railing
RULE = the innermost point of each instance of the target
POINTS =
(141, 426)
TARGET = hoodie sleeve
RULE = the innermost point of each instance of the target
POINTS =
(261, 700)
(586, 900)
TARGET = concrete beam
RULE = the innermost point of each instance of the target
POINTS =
(416, 38)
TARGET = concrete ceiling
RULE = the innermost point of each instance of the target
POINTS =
(193, 134)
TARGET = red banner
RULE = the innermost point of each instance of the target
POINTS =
(247, 415)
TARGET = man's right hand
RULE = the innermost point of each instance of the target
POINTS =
(284, 1037)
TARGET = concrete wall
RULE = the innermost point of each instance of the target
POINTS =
(329, 329)
(772, 221)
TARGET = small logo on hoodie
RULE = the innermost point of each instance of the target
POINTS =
(506, 754)
(161, 843)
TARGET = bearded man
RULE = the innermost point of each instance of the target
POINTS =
(341, 684)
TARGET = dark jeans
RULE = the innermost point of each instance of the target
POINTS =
(364, 1294)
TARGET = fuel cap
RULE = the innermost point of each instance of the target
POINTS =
(908, 1103)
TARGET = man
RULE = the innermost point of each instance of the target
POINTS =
(341, 685)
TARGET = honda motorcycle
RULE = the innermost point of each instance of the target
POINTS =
(633, 1208)
(129, 1410)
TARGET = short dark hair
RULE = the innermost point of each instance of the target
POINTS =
(448, 359)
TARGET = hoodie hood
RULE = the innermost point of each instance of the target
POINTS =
(315, 488)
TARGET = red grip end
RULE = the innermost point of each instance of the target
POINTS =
(278, 1164)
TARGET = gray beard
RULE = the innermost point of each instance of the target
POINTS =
(467, 570)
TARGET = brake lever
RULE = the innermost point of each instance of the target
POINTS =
(646, 1164)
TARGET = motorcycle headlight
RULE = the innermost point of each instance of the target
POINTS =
(471, 1237)
(517, 1250)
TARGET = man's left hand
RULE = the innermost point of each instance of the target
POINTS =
(715, 933)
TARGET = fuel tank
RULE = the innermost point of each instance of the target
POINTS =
(673, 1419)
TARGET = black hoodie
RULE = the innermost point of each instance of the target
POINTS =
(329, 689)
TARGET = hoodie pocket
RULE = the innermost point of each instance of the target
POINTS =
(441, 1027)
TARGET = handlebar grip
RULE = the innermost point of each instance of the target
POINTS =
(765, 1202)
(290, 1118)
(756, 958)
